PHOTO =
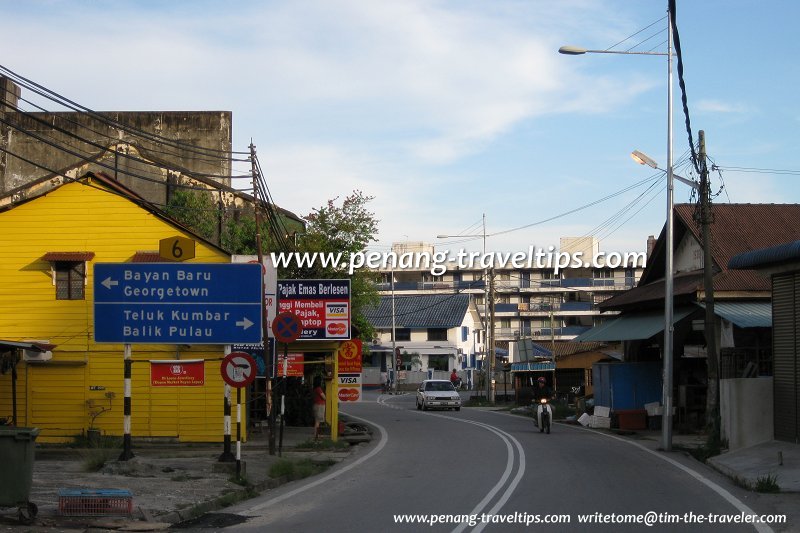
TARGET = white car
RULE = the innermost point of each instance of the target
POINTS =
(437, 394)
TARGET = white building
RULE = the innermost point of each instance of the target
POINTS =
(532, 296)
(432, 331)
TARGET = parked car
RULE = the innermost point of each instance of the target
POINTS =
(437, 394)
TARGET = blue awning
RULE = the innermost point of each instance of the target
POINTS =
(533, 367)
(634, 326)
(745, 314)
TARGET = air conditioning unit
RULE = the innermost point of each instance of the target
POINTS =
(376, 341)
(36, 356)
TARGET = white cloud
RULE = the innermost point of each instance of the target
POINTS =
(717, 106)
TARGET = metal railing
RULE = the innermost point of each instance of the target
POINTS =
(745, 362)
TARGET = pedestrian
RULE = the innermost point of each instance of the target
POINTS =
(319, 405)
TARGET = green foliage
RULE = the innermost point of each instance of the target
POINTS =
(322, 444)
(194, 209)
(297, 468)
(239, 235)
(768, 483)
(93, 459)
(344, 229)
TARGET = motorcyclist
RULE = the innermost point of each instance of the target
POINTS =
(454, 379)
(542, 390)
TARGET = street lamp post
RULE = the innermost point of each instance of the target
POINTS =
(487, 359)
(666, 426)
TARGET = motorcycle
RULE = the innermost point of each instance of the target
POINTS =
(457, 384)
(544, 413)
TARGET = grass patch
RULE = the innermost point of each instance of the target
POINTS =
(94, 459)
(294, 469)
(322, 444)
(240, 480)
(702, 453)
(99, 442)
(184, 477)
(768, 483)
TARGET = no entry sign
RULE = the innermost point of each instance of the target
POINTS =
(238, 369)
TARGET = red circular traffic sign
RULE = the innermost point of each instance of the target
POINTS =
(286, 327)
(238, 369)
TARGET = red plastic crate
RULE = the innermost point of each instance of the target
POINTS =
(95, 502)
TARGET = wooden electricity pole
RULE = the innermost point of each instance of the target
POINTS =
(712, 355)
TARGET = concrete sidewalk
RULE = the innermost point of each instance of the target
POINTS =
(746, 466)
(169, 483)
(774, 458)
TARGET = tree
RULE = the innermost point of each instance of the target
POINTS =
(195, 210)
(344, 229)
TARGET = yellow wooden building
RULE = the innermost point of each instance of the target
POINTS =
(48, 247)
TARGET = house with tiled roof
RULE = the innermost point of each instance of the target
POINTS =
(433, 332)
(742, 300)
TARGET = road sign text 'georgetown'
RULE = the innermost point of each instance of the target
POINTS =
(202, 303)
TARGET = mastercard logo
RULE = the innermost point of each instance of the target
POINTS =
(337, 329)
(349, 395)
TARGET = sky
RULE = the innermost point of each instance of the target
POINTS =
(445, 111)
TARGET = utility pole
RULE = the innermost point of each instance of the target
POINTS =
(490, 346)
(264, 318)
(712, 357)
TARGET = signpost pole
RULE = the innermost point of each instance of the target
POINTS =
(283, 394)
(127, 452)
(227, 455)
(238, 432)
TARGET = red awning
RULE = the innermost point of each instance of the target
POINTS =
(148, 256)
(74, 257)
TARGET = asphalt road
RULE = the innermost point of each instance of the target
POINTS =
(462, 467)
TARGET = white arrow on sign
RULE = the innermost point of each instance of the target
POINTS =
(244, 323)
(108, 283)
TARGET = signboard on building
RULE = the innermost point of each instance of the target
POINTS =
(291, 366)
(174, 303)
(349, 386)
(177, 373)
(349, 354)
(322, 305)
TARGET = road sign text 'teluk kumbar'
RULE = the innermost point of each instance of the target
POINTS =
(174, 303)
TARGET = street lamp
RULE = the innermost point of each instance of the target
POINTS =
(666, 426)
(488, 359)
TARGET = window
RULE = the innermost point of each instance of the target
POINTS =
(437, 334)
(70, 279)
(439, 362)
(402, 334)
(69, 273)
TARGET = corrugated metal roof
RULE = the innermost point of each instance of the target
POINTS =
(67, 256)
(149, 257)
(419, 311)
(633, 326)
(532, 367)
(745, 314)
(789, 251)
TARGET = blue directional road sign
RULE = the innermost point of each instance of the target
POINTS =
(177, 303)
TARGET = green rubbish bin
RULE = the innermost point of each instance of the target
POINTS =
(16, 470)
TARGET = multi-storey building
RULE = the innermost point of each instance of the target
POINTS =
(532, 299)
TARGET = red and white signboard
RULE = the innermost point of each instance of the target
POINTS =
(177, 373)
(291, 366)
(349, 386)
(322, 305)
(238, 369)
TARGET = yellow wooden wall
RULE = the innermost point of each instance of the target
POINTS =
(53, 395)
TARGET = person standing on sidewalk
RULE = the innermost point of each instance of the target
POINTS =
(319, 405)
